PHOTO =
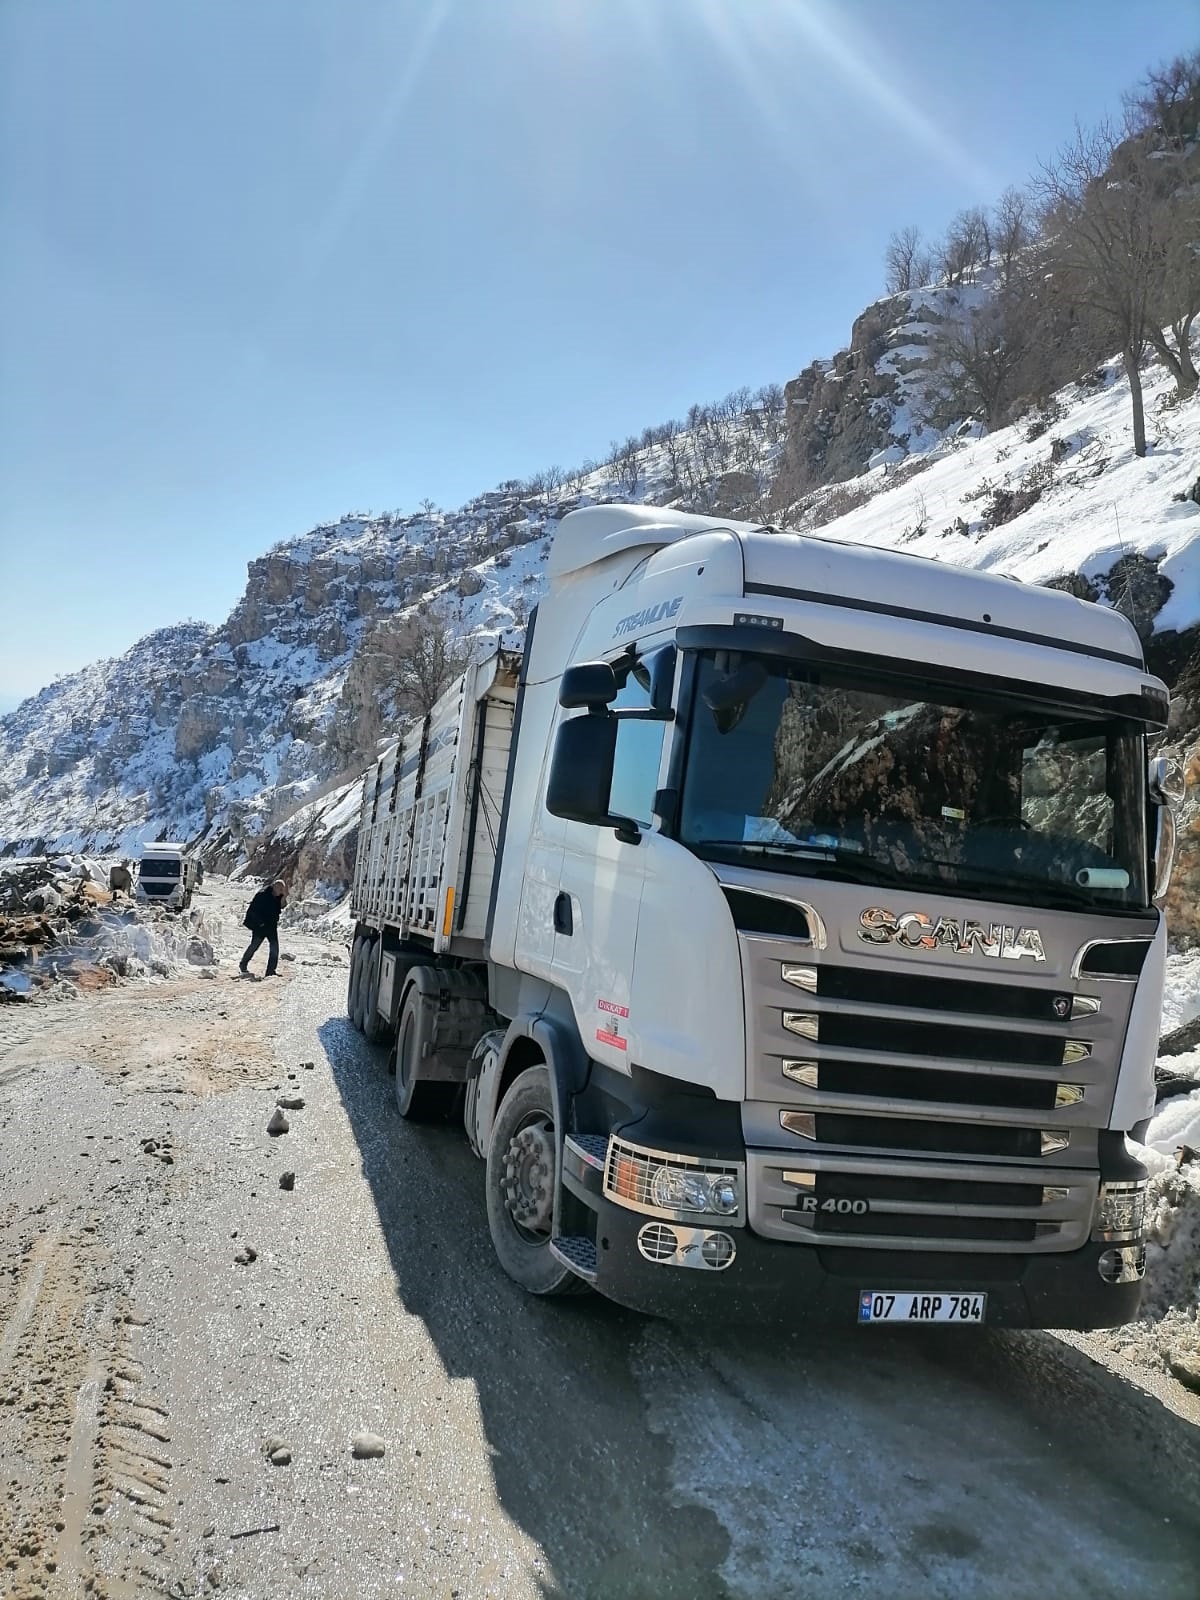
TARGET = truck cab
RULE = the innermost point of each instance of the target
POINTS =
(166, 876)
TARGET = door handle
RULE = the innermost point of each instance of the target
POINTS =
(564, 922)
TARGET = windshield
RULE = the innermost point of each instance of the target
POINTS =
(831, 774)
(161, 867)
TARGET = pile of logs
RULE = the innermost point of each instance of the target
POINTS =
(38, 911)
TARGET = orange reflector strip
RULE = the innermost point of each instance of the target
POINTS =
(624, 1180)
(449, 912)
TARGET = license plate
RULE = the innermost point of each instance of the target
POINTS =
(882, 1305)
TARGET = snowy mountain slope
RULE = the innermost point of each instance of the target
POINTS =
(223, 734)
(1093, 503)
(1095, 518)
(215, 732)
(875, 401)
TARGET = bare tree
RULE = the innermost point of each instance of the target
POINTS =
(428, 655)
(967, 245)
(1012, 228)
(1162, 155)
(1168, 101)
(900, 258)
(628, 463)
(1176, 285)
(981, 362)
(673, 449)
(1101, 237)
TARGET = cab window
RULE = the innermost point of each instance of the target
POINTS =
(639, 753)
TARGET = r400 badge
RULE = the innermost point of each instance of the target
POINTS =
(840, 1207)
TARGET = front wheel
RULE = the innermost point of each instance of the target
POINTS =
(522, 1178)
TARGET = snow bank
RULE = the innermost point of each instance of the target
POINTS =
(1181, 993)
(143, 949)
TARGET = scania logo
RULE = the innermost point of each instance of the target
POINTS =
(915, 931)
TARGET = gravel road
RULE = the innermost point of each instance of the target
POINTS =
(190, 1351)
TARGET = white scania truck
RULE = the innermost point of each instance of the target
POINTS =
(785, 920)
(167, 876)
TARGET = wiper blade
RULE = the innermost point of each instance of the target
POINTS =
(785, 846)
(969, 873)
(835, 861)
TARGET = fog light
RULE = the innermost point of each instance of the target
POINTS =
(717, 1251)
(1127, 1265)
(1120, 1212)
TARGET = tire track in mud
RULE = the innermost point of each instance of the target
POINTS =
(45, 1355)
(85, 1496)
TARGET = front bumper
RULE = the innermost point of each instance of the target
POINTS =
(786, 1283)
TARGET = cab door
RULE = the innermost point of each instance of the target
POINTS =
(600, 890)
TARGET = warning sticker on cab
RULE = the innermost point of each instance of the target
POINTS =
(613, 1039)
(613, 1008)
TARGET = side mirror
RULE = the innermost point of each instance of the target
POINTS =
(1166, 780)
(581, 769)
(1167, 784)
(662, 679)
(590, 684)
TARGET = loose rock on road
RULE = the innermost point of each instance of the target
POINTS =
(275, 1366)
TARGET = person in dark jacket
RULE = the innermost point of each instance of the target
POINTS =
(262, 918)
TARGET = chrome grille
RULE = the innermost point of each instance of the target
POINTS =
(955, 1079)
(900, 1204)
(926, 1063)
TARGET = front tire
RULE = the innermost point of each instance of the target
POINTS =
(521, 1182)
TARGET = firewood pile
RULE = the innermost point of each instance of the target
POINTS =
(36, 909)
(43, 910)
(63, 934)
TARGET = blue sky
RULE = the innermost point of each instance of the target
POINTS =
(262, 263)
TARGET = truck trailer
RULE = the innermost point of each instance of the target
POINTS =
(785, 919)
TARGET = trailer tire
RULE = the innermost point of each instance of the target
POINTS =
(365, 957)
(374, 1027)
(521, 1174)
(415, 1101)
(356, 966)
(352, 979)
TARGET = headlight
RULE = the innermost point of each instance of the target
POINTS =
(672, 1186)
(677, 1189)
(684, 1189)
(1120, 1212)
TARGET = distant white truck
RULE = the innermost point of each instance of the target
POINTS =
(787, 917)
(167, 876)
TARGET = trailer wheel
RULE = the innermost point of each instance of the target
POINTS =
(365, 957)
(415, 1101)
(356, 951)
(374, 1026)
(521, 1183)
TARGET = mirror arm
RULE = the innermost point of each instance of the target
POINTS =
(643, 714)
(626, 829)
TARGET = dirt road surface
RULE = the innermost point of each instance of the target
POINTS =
(188, 1352)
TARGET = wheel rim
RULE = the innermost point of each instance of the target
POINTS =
(528, 1181)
